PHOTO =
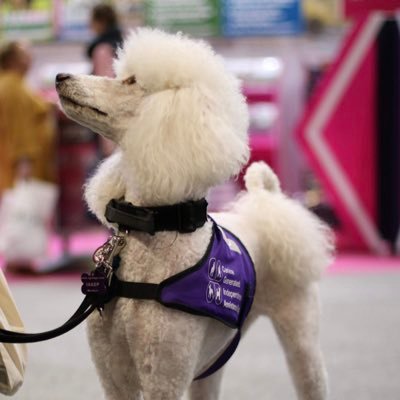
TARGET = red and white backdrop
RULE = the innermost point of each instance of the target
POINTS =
(351, 128)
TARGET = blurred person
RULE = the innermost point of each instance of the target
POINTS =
(101, 51)
(26, 127)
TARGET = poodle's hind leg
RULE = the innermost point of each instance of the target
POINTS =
(296, 320)
(206, 389)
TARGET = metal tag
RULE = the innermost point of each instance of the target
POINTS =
(97, 281)
(94, 283)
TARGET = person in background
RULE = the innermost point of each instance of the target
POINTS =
(26, 125)
(101, 51)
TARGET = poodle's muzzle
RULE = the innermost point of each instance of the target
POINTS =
(104, 105)
(71, 99)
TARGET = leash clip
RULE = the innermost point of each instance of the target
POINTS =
(98, 281)
(105, 254)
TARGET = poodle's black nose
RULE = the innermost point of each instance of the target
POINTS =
(62, 77)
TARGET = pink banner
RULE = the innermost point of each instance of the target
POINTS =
(339, 133)
(356, 8)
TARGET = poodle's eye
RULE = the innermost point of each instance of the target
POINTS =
(129, 81)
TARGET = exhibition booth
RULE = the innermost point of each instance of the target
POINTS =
(323, 105)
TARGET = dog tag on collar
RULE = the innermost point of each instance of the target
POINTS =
(98, 281)
(95, 283)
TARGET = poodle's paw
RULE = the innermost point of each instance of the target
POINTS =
(260, 176)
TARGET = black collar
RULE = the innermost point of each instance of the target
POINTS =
(183, 217)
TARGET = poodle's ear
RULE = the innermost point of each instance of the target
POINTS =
(185, 141)
(104, 185)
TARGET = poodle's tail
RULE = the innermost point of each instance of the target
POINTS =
(260, 176)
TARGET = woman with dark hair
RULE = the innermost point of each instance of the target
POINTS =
(101, 51)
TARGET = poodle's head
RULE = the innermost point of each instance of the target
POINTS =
(176, 113)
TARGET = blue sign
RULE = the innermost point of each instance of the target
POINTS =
(261, 17)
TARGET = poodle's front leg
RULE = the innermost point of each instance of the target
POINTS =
(206, 389)
(296, 320)
(115, 367)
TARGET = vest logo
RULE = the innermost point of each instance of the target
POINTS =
(215, 269)
(215, 273)
(214, 293)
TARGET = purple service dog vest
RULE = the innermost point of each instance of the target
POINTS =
(221, 286)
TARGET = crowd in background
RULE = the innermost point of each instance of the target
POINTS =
(28, 131)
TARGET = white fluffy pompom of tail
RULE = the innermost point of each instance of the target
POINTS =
(260, 176)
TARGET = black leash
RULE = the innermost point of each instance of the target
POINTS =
(87, 306)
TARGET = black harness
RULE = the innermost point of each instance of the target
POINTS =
(102, 285)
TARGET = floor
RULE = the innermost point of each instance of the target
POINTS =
(360, 339)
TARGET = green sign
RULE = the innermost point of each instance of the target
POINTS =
(196, 17)
(26, 19)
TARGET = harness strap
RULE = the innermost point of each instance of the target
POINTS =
(222, 359)
(134, 290)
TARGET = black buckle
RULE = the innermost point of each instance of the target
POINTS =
(140, 219)
(143, 220)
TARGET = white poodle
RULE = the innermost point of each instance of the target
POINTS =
(180, 122)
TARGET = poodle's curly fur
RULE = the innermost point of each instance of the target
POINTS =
(181, 125)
